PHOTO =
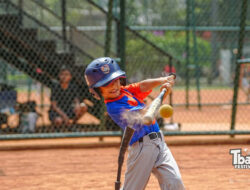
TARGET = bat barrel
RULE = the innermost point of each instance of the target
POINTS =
(153, 108)
(147, 120)
(161, 95)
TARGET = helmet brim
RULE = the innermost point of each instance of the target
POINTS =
(110, 78)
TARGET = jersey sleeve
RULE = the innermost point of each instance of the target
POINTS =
(116, 114)
(136, 91)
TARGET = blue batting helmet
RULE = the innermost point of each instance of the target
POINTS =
(101, 72)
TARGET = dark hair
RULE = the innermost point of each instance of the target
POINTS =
(65, 68)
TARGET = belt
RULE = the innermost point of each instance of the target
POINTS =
(152, 136)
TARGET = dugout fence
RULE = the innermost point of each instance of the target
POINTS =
(202, 41)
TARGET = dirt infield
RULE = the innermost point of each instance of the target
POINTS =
(202, 167)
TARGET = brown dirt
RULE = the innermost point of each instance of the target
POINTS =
(208, 118)
(202, 167)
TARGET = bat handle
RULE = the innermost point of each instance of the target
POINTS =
(173, 75)
(164, 90)
(117, 185)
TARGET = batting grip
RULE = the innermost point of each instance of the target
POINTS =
(127, 135)
(154, 107)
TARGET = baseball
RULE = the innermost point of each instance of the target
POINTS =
(166, 111)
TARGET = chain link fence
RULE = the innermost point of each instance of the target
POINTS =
(204, 37)
(43, 42)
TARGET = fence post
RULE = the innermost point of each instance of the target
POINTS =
(108, 29)
(64, 34)
(214, 43)
(20, 13)
(187, 51)
(239, 55)
(117, 26)
(122, 32)
(197, 68)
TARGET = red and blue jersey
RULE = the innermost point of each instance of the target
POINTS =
(130, 100)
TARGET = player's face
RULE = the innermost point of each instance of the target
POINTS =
(65, 76)
(112, 90)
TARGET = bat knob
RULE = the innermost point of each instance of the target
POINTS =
(173, 75)
(117, 185)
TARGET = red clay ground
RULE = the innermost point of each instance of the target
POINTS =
(203, 167)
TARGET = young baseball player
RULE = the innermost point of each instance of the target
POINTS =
(148, 151)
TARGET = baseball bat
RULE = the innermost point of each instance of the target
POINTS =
(127, 135)
(149, 116)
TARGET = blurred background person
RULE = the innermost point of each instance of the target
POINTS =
(245, 80)
(66, 106)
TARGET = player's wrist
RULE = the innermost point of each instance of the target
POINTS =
(164, 80)
(168, 79)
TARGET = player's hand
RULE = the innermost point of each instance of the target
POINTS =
(66, 119)
(168, 85)
(80, 109)
(77, 110)
(169, 79)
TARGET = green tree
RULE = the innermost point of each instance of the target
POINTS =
(147, 59)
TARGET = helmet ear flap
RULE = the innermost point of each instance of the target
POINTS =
(95, 93)
(123, 81)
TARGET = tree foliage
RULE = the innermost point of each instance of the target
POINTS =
(172, 42)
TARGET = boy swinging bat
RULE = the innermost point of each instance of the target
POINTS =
(147, 151)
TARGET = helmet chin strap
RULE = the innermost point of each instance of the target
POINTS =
(123, 81)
